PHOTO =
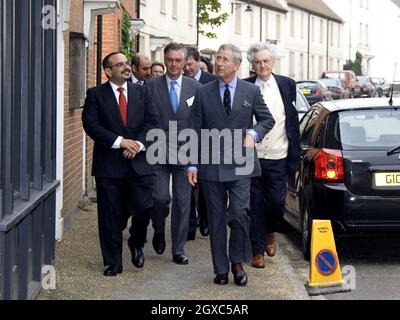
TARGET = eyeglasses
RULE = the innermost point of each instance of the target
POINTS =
(120, 65)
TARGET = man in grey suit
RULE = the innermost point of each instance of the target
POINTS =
(173, 95)
(229, 104)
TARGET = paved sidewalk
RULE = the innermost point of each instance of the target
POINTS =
(79, 272)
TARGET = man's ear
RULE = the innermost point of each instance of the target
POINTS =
(108, 72)
(134, 68)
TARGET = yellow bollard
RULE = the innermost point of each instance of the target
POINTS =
(325, 272)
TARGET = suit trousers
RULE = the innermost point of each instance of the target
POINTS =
(267, 202)
(217, 195)
(181, 194)
(116, 197)
(198, 203)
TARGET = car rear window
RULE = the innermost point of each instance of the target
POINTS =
(335, 75)
(330, 82)
(308, 86)
(368, 129)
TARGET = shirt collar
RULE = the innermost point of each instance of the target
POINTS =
(198, 75)
(178, 81)
(134, 79)
(115, 87)
(271, 82)
(231, 85)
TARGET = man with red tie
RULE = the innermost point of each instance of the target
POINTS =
(117, 115)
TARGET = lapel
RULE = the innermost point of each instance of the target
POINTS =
(215, 97)
(185, 94)
(131, 104)
(240, 95)
(282, 89)
(112, 103)
(164, 95)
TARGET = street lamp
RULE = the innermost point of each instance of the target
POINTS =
(239, 4)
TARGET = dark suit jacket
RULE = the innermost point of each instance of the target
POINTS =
(208, 113)
(103, 123)
(287, 88)
(207, 77)
(160, 93)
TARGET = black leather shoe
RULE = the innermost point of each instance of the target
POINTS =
(138, 257)
(112, 271)
(221, 279)
(204, 231)
(239, 275)
(180, 259)
(191, 236)
(159, 242)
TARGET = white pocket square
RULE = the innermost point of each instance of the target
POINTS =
(190, 101)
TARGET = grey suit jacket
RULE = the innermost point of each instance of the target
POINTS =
(208, 113)
(160, 94)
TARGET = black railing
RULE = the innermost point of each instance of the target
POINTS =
(27, 145)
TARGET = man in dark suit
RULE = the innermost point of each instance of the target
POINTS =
(117, 115)
(279, 152)
(226, 107)
(192, 70)
(141, 69)
(173, 96)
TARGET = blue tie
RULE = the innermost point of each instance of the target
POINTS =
(174, 97)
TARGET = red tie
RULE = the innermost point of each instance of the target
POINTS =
(123, 106)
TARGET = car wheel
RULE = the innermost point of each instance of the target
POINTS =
(306, 232)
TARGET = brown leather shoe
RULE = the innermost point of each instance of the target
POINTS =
(270, 245)
(258, 261)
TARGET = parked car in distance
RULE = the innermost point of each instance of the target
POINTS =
(349, 170)
(368, 89)
(302, 104)
(382, 86)
(337, 88)
(314, 91)
(349, 79)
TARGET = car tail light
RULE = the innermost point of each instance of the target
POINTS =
(329, 166)
(317, 92)
(338, 90)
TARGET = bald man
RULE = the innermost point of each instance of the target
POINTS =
(141, 68)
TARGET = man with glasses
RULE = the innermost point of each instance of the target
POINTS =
(117, 115)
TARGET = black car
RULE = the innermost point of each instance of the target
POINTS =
(314, 91)
(368, 89)
(350, 168)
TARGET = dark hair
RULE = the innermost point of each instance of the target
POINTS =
(193, 52)
(136, 61)
(106, 60)
(173, 46)
(208, 63)
(158, 64)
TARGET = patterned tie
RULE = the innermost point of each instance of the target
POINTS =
(123, 106)
(174, 97)
(227, 100)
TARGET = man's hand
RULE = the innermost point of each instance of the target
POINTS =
(249, 141)
(192, 177)
(128, 155)
(132, 146)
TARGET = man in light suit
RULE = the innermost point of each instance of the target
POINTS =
(279, 152)
(117, 115)
(173, 95)
(229, 104)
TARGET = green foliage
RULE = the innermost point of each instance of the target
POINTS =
(355, 65)
(127, 42)
(206, 16)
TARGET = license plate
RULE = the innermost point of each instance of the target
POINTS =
(387, 179)
(305, 91)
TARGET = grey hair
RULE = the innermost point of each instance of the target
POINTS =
(237, 53)
(260, 46)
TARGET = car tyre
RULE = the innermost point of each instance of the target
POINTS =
(306, 223)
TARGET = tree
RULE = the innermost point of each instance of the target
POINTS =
(206, 17)
(356, 65)
(127, 43)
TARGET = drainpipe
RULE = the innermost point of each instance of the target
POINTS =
(99, 48)
(138, 17)
(261, 25)
(308, 46)
(327, 45)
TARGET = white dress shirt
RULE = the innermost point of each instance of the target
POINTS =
(117, 143)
